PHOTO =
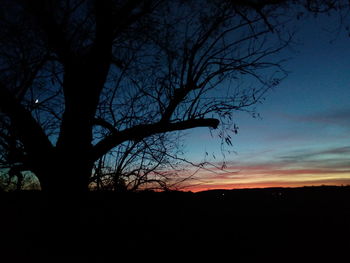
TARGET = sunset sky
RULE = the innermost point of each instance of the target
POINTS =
(303, 135)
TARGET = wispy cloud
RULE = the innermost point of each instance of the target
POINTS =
(340, 117)
(334, 153)
(336, 116)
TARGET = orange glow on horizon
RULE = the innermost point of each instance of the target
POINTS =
(205, 187)
(267, 179)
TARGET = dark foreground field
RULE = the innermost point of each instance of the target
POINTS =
(266, 225)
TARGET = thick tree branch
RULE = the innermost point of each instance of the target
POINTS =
(105, 124)
(144, 130)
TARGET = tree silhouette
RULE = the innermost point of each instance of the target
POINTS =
(80, 78)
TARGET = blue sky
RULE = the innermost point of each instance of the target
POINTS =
(303, 135)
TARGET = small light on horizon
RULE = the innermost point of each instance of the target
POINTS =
(36, 101)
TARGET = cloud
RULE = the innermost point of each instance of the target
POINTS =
(339, 150)
(302, 155)
(340, 117)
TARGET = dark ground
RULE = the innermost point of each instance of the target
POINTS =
(258, 225)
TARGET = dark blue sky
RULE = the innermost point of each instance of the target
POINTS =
(303, 135)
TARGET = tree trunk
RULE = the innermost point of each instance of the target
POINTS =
(65, 173)
(71, 166)
(64, 185)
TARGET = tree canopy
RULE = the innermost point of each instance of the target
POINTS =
(80, 79)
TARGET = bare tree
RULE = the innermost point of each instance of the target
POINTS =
(81, 78)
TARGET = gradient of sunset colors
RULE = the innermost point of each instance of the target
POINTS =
(303, 137)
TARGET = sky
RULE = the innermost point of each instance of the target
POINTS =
(303, 135)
